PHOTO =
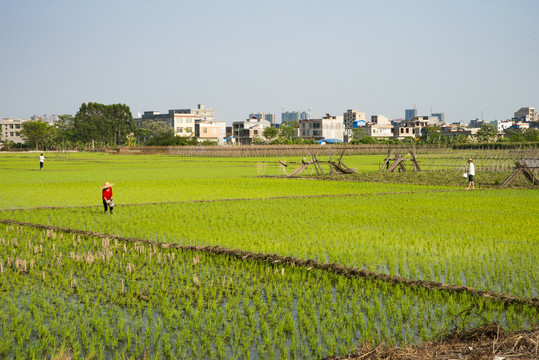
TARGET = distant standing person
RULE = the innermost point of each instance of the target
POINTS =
(41, 162)
(108, 203)
(471, 173)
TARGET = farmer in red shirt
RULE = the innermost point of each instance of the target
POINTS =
(107, 197)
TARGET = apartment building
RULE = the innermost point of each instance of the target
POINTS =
(378, 127)
(502, 125)
(11, 130)
(412, 128)
(290, 116)
(182, 120)
(328, 127)
(409, 114)
(349, 117)
(526, 114)
(211, 130)
(245, 132)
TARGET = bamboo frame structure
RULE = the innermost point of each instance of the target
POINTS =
(524, 167)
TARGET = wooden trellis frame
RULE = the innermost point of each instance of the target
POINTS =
(398, 161)
(334, 166)
(523, 167)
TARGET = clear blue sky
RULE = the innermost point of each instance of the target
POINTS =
(381, 57)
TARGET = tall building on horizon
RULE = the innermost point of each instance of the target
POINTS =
(440, 116)
(289, 116)
(409, 114)
(272, 118)
(51, 119)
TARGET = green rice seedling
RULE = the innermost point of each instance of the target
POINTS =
(326, 307)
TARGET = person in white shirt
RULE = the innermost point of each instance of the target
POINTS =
(471, 173)
(41, 162)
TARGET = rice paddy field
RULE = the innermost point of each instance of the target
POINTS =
(146, 282)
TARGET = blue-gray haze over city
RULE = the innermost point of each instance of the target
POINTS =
(468, 59)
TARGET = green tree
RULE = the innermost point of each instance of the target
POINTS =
(288, 130)
(65, 131)
(149, 129)
(360, 137)
(37, 132)
(432, 135)
(531, 135)
(487, 133)
(270, 133)
(106, 124)
(514, 135)
(7, 145)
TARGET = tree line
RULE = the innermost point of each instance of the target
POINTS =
(97, 126)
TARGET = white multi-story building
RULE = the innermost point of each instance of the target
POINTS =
(378, 130)
(502, 125)
(378, 127)
(11, 130)
(182, 120)
(328, 127)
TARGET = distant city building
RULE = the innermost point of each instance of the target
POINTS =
(11, 130)
(290, 116)
(181, 120)
(476, 123)
(264, 116)
(51, 119)
(440, 116)
(525, 114)
(328, 127)
(409, 114)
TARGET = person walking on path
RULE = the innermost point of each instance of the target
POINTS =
(108, 203)
(471, 173)
(41, 162)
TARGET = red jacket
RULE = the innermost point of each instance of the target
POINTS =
(107, 193)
